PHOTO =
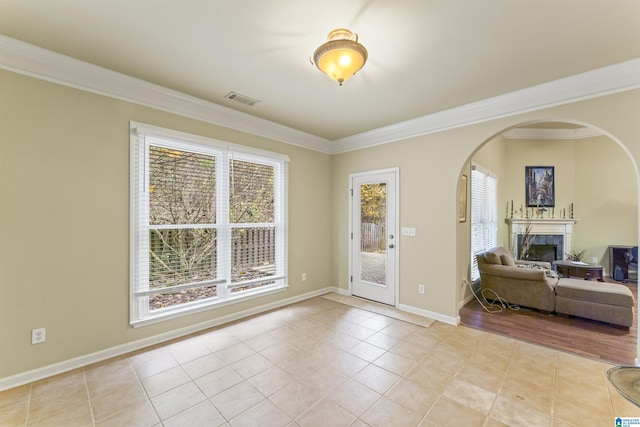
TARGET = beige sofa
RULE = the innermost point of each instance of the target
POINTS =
(514, 282)
(533, 284)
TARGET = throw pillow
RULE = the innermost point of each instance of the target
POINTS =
(507, 260)
(492, 258)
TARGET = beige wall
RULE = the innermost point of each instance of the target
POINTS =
(64, 222)
(430, 166)
(596, 175)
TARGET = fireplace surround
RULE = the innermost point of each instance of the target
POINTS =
(551, 236)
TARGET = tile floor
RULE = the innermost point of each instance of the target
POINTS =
(321, 363)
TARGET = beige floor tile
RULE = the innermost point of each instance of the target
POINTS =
(445, 410)
(14, 415)
(326, 413)
(354, 397)
(140, 415)
(324, 380)
(202, 366)
(366, 351)
(448, 362)
(412, 396)
(594, 410)
(376, 378)
(395, 363)
(67, 386)
(410, 350)
(218, 339)
(236, 399)
(429, 377)
(201, 414)
(217, 381)
(153, 362)
(184, 351)
(300, 365)
(400, 329)
(271, 380)
(343, 341)
(117, 400)
(516, 414)
(234, 353)
(320, 363)
(264, 414)
(295, 399)
(177, 400)
(470, 395)
(262, 342)
(165, 381)
(109, 376)
(532, 392)
(375, 323)
(387, 413)
(486, 377)
(14, 396)
(384, 341)
(346, 363)
(251, 365)
(280, 352)
(77, 415)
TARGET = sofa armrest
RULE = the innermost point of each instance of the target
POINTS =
(544, 264)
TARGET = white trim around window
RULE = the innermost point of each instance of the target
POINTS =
(208, 223)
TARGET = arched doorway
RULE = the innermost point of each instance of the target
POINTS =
(595, 177)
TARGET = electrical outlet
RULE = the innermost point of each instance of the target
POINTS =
(38, 336)
(594, 260)
(421, 288)
(304, 276)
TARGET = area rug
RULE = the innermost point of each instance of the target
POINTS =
(626, 379)
(378, 308)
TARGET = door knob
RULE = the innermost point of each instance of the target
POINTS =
(391, 246)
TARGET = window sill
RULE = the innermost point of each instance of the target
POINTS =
(208, 305)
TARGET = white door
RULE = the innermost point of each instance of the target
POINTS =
(374, 236)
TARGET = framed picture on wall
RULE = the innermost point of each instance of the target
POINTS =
(462, 199)
(540, 186)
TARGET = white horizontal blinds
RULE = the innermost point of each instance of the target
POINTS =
(208, 223)
(182, 230)
(484, 212)
(252, 218)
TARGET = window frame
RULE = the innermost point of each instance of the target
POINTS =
(140, 314)
(484, 216)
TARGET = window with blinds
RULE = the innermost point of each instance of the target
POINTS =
(208, 223)
(484, 214)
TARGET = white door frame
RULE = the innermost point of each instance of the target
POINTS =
(396, 254)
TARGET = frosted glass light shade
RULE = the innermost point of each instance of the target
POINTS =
(341, 56)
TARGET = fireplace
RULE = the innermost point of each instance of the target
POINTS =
(546, 247)
(552, 237)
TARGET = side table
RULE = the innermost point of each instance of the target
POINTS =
(579, 269)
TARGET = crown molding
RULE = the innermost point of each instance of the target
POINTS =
(603, 81)
(27, 59)
(538, 133)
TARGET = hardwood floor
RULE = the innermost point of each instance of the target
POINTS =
(588, 338)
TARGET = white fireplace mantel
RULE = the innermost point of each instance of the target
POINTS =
(539, 227)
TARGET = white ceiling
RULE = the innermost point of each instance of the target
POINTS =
(425, 56)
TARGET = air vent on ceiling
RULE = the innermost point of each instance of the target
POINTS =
(241, 99)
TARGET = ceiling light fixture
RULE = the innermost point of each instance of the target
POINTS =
(341, 56)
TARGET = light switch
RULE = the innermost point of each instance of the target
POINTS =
(409, 231)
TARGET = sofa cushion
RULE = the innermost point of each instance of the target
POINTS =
(597, 292)
(492, 258)
(507, 260)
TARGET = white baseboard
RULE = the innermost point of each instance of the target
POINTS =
(437, 316)
(78, 362)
